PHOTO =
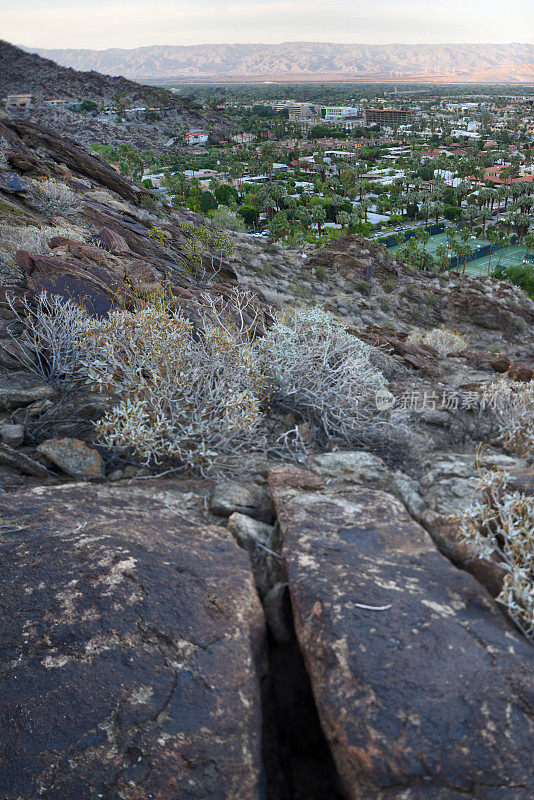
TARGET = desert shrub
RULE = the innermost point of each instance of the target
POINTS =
(14, 238)
(54, 335)
(193, 400)
(34, 240)
(441, 339)
(53, 197)
(321, 372)
(513, 405)
(198, 395)
(205, 250)
(499, 524)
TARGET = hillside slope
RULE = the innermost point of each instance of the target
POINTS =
(470, 62)
(22, 72)
(136, 661)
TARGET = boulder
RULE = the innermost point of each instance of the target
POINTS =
(131, 648)
(113, 240)
(12, 435)
(22, 388)
(74, 458)
(230, 496)
(423, 690)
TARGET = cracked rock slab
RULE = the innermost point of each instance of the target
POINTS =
(131, 649)
(426, 695)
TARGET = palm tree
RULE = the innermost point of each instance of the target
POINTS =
(318, 216)
(529, 243)
(493, 238)
(343, 219)
(484, 216)
(423, 236)
(426, 208)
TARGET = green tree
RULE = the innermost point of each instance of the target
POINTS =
(226, 195)
(207, 202)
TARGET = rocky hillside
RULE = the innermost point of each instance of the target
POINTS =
(26, 73)
(467, 62)
(314, 629)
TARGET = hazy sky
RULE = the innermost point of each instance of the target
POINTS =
(98, 24)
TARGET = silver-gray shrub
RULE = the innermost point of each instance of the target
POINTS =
(325, 375)
(54, 334)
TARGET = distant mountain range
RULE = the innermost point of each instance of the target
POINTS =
(492, 63)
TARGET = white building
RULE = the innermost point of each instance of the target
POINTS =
(195, 138)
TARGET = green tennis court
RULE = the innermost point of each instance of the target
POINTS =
(514, 254)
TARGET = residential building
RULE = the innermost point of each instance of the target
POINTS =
(196, 138)
(13, 101)
(243, 138)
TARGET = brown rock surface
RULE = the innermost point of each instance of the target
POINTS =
(130, 645)
(74, 457)
(431, 697)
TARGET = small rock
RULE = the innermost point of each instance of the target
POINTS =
(500, 363)
(229, 496)
(249, 532)
(134, 471)
(431, 416)
(12, 435)
(22, 388)
(521, 372)
(115, 475)
(21, 462)
(408, 489)
(257, 538)
(74, 457)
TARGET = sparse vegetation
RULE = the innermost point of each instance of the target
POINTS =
(499, 524)
(441, 339)
(53, 197)
(513, 404)
(197, 397)
(32, 239)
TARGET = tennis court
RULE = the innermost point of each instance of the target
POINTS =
(514, 254)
